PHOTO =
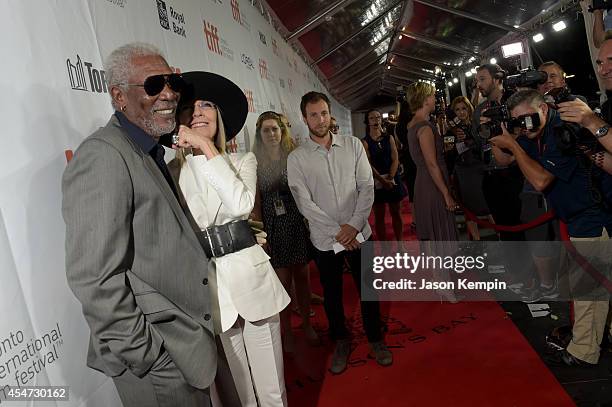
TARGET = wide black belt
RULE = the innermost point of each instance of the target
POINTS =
(220, 240)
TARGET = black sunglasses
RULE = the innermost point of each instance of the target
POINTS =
(154, 84)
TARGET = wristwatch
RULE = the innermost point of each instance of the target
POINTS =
(602, 131)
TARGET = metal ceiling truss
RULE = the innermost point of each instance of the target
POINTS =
(351, 75)
(349, 92)
(318, 19)
(467, 15)
(427, 61)
(362, 29)
(425, 75)
(438, 44)
(361, 56)
(358, 79)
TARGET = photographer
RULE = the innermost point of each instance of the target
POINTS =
(577, 111)
(568, 180)
(502, 183)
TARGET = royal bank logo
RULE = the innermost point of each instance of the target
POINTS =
(263, 68)
(176, 19)
(78, 79)
(262, 38)
(250, 99)
(119, 3)
(247, 61)
(163, 14)
(215, 43)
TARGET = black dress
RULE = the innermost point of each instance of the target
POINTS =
(288, 238)
(380, 156)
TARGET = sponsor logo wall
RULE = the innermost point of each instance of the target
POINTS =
(58, 96)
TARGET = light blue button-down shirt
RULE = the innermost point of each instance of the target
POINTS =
(332, 187)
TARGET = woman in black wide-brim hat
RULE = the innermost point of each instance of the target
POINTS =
(219, 189)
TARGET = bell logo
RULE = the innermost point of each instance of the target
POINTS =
(249, 96)
(76, 75)
(212, 38)
(163, 14)
(236, 10)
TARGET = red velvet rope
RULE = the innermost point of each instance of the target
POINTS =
(503, 228)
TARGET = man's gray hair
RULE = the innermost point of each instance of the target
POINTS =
(118, 64)
(530, 96)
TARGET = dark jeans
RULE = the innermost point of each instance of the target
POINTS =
(330, 272)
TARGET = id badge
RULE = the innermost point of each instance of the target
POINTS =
(279, 207)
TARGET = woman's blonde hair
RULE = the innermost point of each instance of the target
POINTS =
(417, 93)
(220, 140)
(465, 101)
(286, 143)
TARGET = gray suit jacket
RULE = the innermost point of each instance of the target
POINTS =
(134, 262)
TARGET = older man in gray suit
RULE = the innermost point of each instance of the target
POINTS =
(132, 256)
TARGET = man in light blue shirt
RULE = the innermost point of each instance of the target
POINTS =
(331, 181)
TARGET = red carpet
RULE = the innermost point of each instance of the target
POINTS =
(466, 354)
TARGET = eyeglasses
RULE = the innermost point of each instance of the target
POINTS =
(154, 84)
(205, 105)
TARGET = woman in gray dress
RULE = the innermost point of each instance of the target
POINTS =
(433, 202)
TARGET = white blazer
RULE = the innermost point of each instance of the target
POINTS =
(218, 191)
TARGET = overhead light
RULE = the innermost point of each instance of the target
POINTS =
(468, 73)
(569, 76)
(538, 37)
(388, 66)
(493, 60)
(516, 26)
(455, 80)
(385, 115)
(473, 70)
(510, 50)
(472, 59)
(400, 37)
(559, 26)
(450, 84)
(437, 70)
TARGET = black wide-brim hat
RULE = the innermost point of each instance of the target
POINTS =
(228, 97)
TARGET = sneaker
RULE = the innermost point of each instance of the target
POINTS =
(340, 356)
(541, 293)
(380, 352)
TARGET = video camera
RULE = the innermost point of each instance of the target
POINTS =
(525, 79)
(600, 5)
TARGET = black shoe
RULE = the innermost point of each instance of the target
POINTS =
(340, 356)
(564, 358)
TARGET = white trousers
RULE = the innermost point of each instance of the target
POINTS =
(255, 357)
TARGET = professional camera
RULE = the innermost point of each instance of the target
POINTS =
(498, 114)
(600, 5)
(525, 79)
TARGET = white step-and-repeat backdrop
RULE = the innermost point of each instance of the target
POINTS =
(53, 95)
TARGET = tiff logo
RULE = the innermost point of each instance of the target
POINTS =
(249, 96)
(263, 68)
(262, 38)
(163, 14)
(236, 10)
(212, 38)
(76, 74)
